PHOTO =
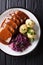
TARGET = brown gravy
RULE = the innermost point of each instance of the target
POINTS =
(11, 25)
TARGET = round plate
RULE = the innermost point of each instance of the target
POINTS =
(7, 49)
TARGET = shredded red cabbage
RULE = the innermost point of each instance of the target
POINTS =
(20, 43)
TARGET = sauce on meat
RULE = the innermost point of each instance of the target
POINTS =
(12, 24)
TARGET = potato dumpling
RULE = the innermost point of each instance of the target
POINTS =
(23, 28)
(30, 23)
(31, 36)
(31, 33)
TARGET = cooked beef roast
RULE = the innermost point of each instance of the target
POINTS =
(10, 25)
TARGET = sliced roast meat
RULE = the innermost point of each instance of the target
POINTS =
(11, 29)
(12, 24)
(21, 15)
(5, 34)
(17, 17)
(16, 20)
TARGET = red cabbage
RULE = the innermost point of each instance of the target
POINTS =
(20, 43)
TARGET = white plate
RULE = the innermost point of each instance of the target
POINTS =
(8, 50)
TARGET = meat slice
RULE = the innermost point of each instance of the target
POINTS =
(5, 33)
(12, 24)
(5, 25)
(10, 28)
(6, 30)
(21, 15)
(16, 20)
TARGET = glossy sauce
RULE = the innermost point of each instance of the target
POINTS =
(11, 27)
